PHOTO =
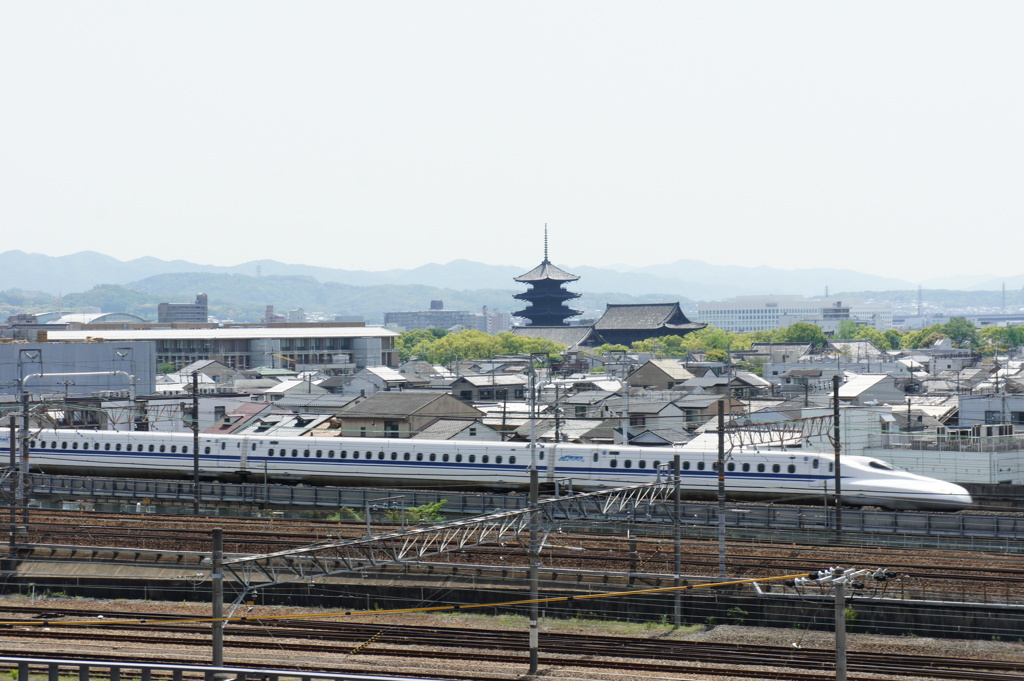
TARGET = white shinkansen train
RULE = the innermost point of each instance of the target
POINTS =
(458, 464)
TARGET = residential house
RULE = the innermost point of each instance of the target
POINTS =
(493, 388)
(401, 414)
(458, 429)
(659, 374)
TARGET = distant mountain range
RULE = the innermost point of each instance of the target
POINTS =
(241, 292)
(686, 279)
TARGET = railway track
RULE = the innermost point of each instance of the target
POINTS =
(558, 650)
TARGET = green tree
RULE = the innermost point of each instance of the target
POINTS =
(602, 350)
(802, 332)
(961, 331)
(895, 339)
(847, 329)
(923, 338)
(417, 342)
(877, 338)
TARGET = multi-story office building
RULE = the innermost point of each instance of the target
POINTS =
(335, 348)
(761, 313)
(192, 313)
(439, 318)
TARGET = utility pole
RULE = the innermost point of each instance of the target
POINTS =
(217, 596)
(23, 469)
(534, 573)
(840, 615)
(721, 489)
(14, 488)
(837, 445)
(195, 443)
(677, 602)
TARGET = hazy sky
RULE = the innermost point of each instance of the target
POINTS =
(879, 136)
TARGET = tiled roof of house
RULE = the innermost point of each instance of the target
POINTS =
(401, 404)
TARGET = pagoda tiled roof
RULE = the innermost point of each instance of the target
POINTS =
(546, 271)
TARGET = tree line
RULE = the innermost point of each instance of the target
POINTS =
(438, 346)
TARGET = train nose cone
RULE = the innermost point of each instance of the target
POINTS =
(915, 493)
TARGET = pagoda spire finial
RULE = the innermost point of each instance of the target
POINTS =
(545, 242)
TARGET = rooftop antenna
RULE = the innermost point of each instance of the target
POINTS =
(545, 242)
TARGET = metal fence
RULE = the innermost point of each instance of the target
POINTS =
(85, 670)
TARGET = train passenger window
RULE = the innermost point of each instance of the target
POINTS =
(700, 465)
(151, 448)
(541, 456)
(655, 466)
(222, 444)
(511, 459)
(714, 465)
(74, 445)
(206, 450)
(746, 467)
(54, 445)
(117, 446)
(458, 458)
(472, 458)
(31, 443)
(419, 456)
(614, 463)
(128, 447)
(161, 448)
(305, 453)
(686, 465)
(760, 468)
(184, 449)
(63, 445)
(107, 446)
(355, 455)
(497, 459)
(814, 464)
(791, 468)
(330, 453)
(627, 463)
(731, 466)
(380, 456)
(595, 457)
(254, 446)
(485, 458)
(344, 454)
(319, 453)
(775, 468)
(643, 464)
(270, 452)
(394, 456)
(406, 456)
(174, 448)
(85, 445)
(830, 466)
(444, 457)
(433, 456)
(295, 452)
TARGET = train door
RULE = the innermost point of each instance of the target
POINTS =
(243, 456)
(551, 456)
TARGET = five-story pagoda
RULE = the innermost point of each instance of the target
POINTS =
(546, 296)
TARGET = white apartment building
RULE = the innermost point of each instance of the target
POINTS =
(762, 313)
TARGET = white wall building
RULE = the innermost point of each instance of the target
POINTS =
(762, 313)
